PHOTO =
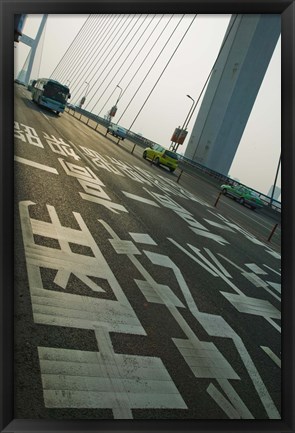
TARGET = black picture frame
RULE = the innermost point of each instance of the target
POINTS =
(8, 9)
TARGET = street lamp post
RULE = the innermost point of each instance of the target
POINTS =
(119, 97)
(87, 87)
(185, 123)
(84, 97)
(113, 110)
(275, 182)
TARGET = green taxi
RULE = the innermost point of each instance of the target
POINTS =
(243, 195)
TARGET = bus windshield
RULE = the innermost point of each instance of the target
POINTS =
(56, 92)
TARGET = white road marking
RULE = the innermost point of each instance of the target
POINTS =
(209, 235)
(274, 254)
(235, 399)
(272, 355)
(142, 238)
(248, 305)
(223, 227)
(232, 263)
(214, 325)
(275, 286)
(208, 269)
(36, 165)
(45, 116)
(255, 268)
(276, 272)
(105, 379)
(222, 402)
(141, 199)
(217, 262)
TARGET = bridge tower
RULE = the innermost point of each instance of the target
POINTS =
(232, 90)
(25, 73)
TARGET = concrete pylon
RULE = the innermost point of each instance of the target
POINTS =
(25, 73)
(232, 89)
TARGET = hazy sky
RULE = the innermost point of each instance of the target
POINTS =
(257, 158)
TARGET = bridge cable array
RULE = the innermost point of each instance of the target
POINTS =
(114, 50)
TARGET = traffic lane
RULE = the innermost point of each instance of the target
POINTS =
(114, 187)
(161, 223)
(163, 326)
(137, 213)
(81, 126)
(260, 225)
(265, 222)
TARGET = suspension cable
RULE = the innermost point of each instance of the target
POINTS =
(71, 45)
(107, 51)
(107, 64)
(127, 56)
(160, 76)
(79, 66)
(163, 48)
(132, 78)
(131, 64)
(75, 54)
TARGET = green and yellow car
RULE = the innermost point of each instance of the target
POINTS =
(243, 195)
(161, 156)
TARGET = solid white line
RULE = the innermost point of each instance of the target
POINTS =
(272, 270)
(222, 402)
(272, 355)
(235, 399)
(45, 116)
(36, 165)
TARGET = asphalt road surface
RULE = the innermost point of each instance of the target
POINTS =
(136, 297)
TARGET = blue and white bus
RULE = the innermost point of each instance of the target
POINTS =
(51, 94)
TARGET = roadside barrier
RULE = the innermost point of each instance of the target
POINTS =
(272, 232)
(219, 195)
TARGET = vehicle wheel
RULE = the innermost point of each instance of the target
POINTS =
(224, 191)
(241, 201)
(157, 162)
(144, 154)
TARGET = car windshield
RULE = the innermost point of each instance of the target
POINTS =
(56, 91)
(171, 154)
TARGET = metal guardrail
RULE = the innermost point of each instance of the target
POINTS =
(184, 161)
(274, 204)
